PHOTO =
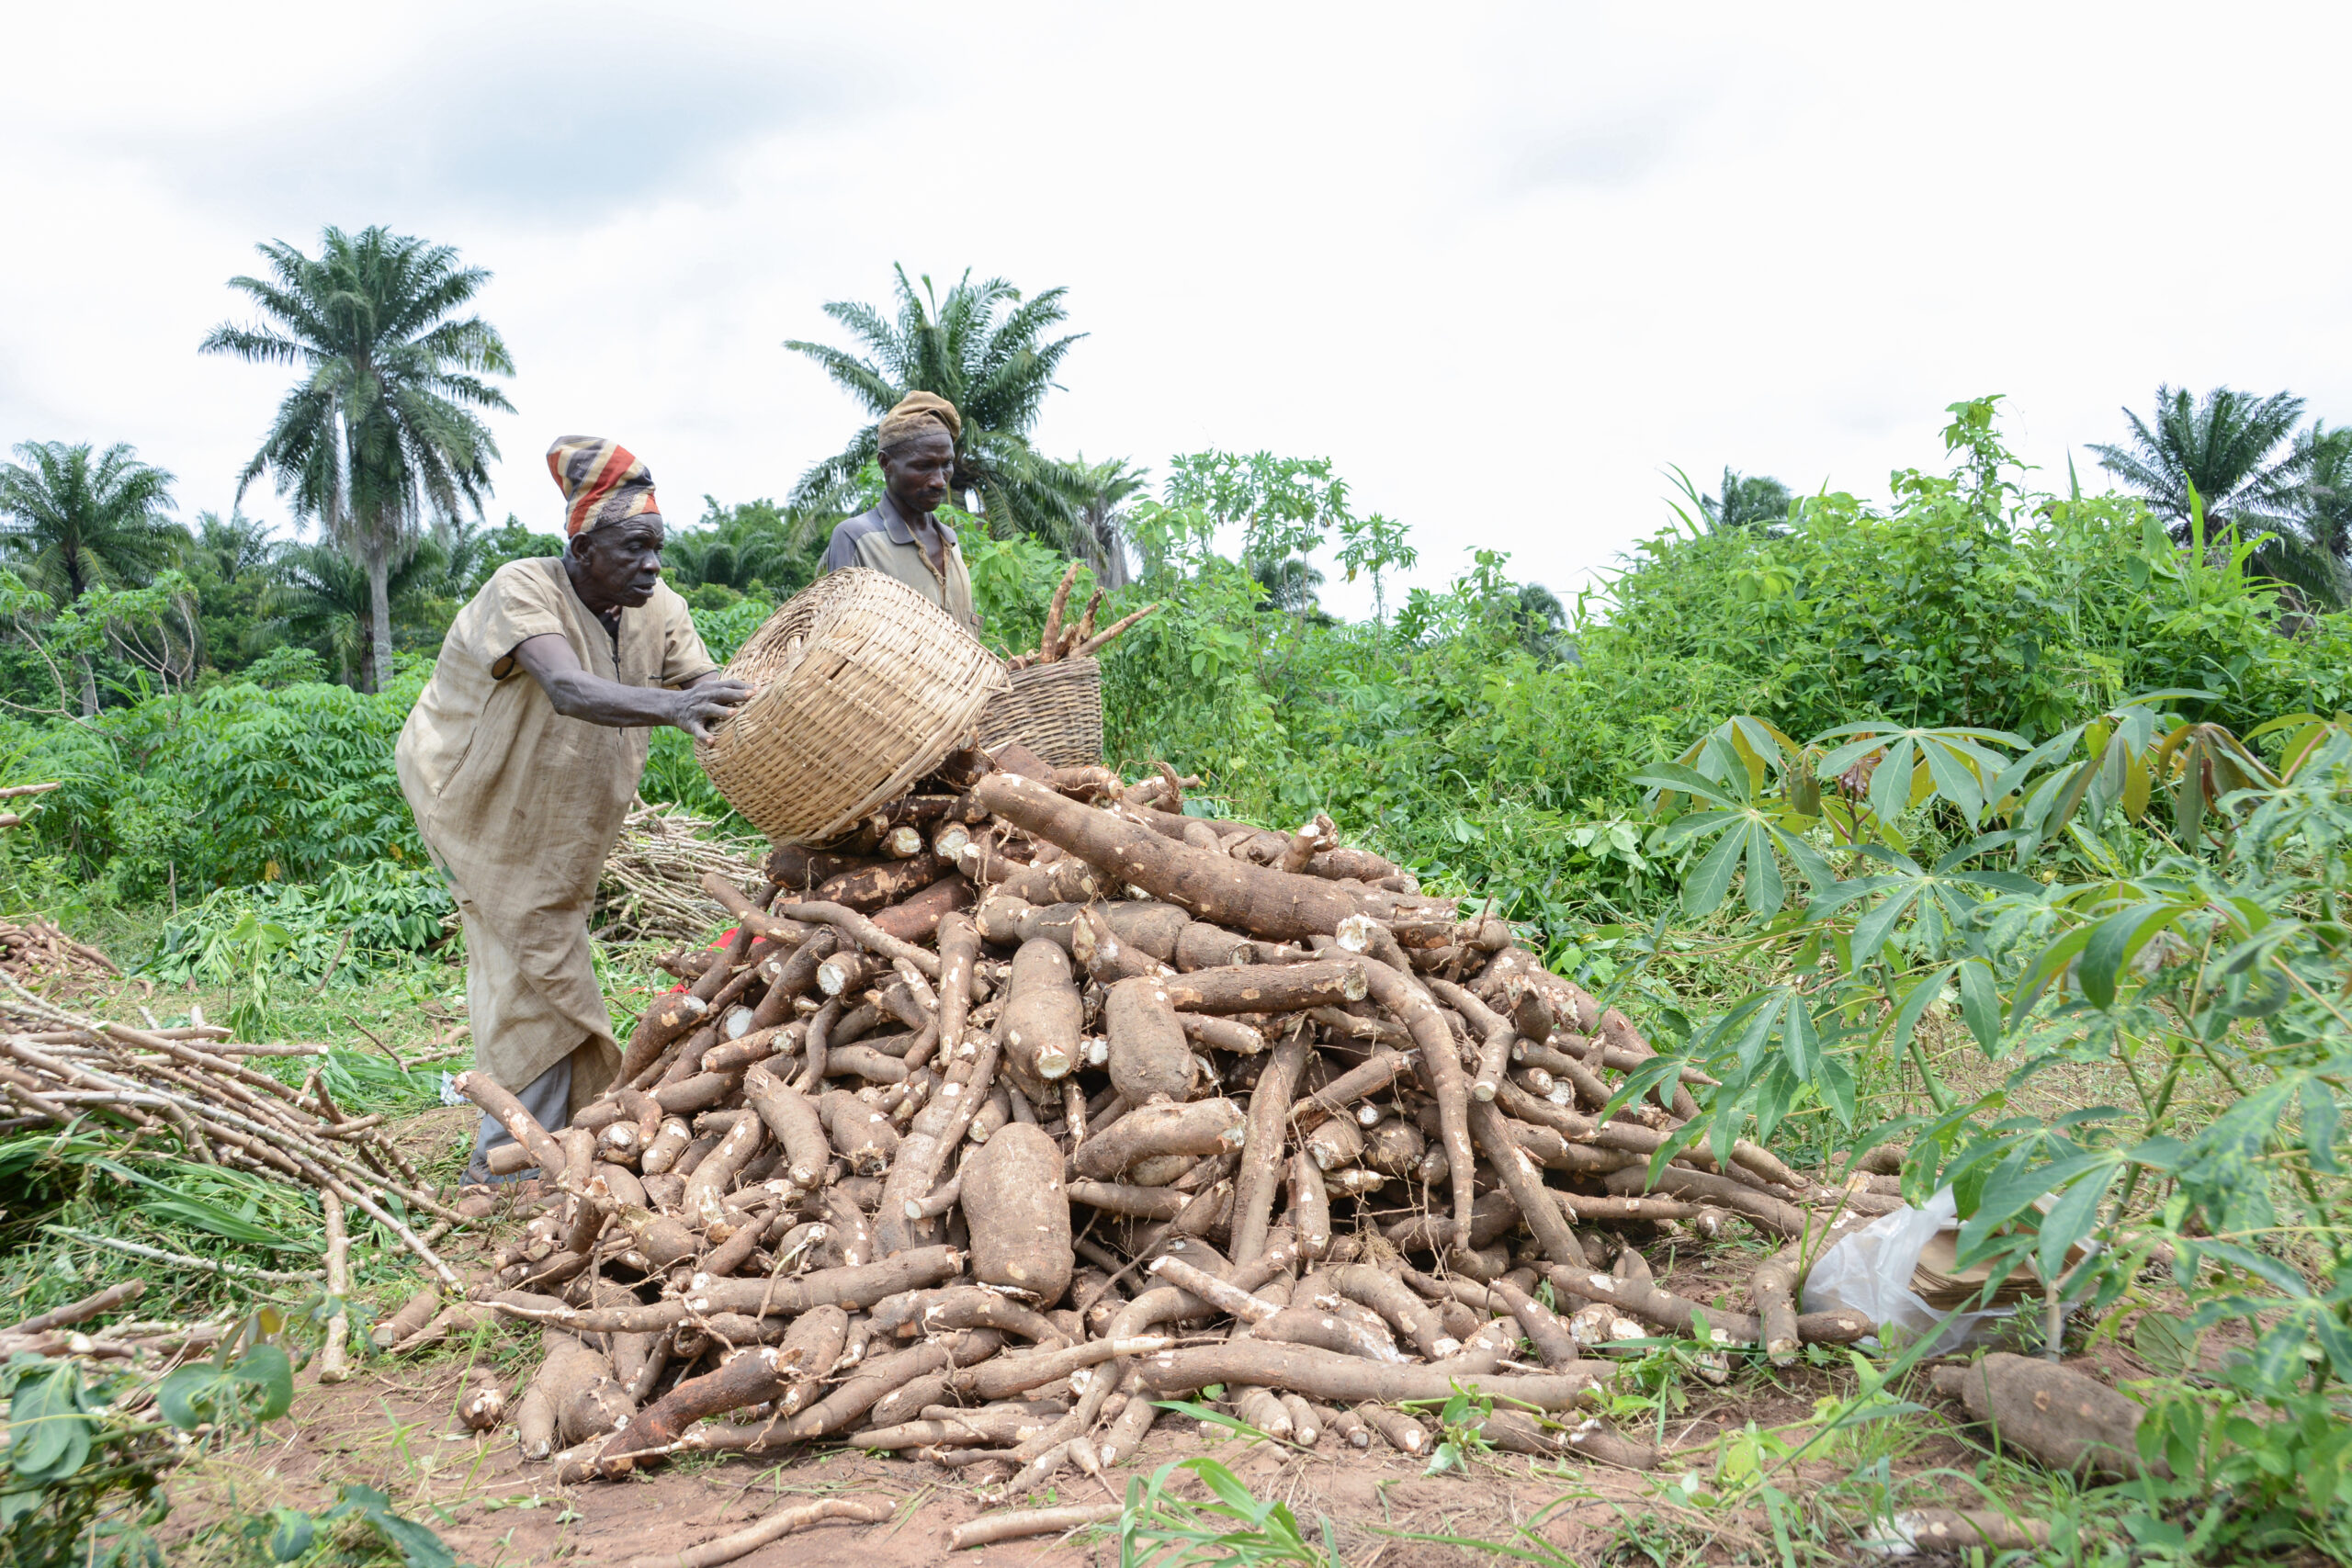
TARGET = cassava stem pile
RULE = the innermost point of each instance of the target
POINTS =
(188, 1086)
(989, 1107)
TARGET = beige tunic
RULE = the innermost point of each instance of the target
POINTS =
(520, 805)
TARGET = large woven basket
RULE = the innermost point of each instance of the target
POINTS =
(1055, 709)
(865, 686)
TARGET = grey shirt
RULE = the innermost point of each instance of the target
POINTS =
(882, 541)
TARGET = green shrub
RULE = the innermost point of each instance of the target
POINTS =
(357, 917)
(234, 784)
(2139, 902)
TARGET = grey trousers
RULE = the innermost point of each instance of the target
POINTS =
(548, 1098)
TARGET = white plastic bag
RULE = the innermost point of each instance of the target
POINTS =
(1869, 1272)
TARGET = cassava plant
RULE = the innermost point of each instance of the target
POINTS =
(2154, 901)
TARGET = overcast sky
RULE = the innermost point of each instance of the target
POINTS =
(1502, 264)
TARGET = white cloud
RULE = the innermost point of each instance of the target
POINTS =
(1503, 265)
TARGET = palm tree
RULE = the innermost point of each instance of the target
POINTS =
(329, 601)
(229, 548)
(466, 554)
(76, 525)
(2224, 447)
(2324, 508)
(751, 545)
(1290, 581)
(2222, 452)
(1104, 489)
(1755, 501)
(232, 565)
(983, 348)
(382, 429)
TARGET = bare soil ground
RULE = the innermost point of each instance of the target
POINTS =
(395, 1429)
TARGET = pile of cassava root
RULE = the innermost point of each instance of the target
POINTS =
(1038, 1101)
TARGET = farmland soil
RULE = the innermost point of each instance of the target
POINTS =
(394, 1428)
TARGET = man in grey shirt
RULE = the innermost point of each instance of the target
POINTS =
(901, 536)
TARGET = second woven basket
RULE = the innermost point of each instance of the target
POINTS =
(1055, 709)
(863, 687)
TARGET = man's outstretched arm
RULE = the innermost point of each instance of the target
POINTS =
(705, 701)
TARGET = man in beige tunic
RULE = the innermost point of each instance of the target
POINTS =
(901, 536)
(522, 756)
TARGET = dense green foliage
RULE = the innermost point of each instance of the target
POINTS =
(1466, 731)
(245, 784)
(2139, 903)
(753, 549)
(1459, 735)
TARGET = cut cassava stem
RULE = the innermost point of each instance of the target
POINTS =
(939, 1126)
(1095, 644)
(1049, 640)
(1325, 1375)
(1545, 1330)
(1259, 1176)
(866, 933)
(1496, 1033)
(989, 1529)
(1217, 889)
(501, 1106)
(1267, 987)
(1644, 1298)
(1781, 1218)
(334, 1364)
(1523, 1182)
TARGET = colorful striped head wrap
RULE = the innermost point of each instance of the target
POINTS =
(602, 483)
(917, 412)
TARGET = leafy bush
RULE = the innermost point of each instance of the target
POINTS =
(1458, 736)
(1969, 602)
(232, 785)
(259, 939)
(2197, 954)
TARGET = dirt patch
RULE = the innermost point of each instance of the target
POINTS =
(395, 1428)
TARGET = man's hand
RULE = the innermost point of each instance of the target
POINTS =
(706, 704)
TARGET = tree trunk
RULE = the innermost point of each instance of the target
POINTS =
(379, 572)
(89, 688)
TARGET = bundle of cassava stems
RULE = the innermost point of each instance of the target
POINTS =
(1039, 1102)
